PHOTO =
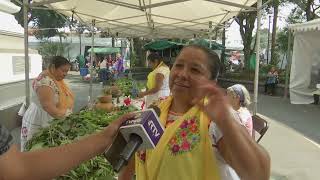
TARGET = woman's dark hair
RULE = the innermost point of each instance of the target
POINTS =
(58, 61)
(213, 59)
(154, 57)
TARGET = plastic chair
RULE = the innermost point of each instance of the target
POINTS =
(260, 126)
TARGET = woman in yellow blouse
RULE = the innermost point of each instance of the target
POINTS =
(185, 151)
(158, 80)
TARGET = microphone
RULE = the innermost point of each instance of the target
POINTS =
(142, 132)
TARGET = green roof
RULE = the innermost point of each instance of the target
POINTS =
(105, 50)
(161, 45)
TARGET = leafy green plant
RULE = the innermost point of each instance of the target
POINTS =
(126, 85)
(75, 127)
(133, 59)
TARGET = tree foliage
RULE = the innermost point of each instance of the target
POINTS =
(44, 21)
(139, 54)
(48, 49)
(246, 22)
(263, 39)
(305, 9)
(282, 40)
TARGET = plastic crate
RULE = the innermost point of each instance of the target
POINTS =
(84, 71)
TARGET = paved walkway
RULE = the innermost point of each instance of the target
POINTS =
(293, 156)
(305, 119)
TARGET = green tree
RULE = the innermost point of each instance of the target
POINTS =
(46, 21)
(275, 5)
(306, 7)
(80, 28)
(139, 53)
(263, 39)
(48, 49)
(246, 22)
(296, 16)
(282, 40)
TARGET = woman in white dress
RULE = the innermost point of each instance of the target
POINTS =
(239, 98)
(158, 80)
(51, 98)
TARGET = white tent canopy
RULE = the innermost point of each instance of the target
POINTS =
(313, 25)
(305, 68)
(156, 18)
(151, 18)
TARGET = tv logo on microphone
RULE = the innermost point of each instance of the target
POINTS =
(147, 125)
(153, 129)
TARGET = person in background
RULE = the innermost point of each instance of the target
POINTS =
(239, 98)
(272, 81)
(81, 60)
(119, 66)
(51, 98)
(110, 64)
(103, 63)
(103, 70)
(185, 150)
(158, 80)
(50, 163)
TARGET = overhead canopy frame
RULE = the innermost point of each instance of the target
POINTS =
(159, 19)
(151, 19)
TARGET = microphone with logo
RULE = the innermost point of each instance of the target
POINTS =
(142, 132)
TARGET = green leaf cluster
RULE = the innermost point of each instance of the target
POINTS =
(74, 127)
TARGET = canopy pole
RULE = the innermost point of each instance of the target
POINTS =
(26, 51)
(91, 64)
(288, 66)
(210, 34)
(256, 77)
(132, 51)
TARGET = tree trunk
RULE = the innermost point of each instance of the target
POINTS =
(140, 54)
(274, 31)
(246, 22)
(309, 13)
(247, 54)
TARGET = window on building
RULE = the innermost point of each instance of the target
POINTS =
(18, 65)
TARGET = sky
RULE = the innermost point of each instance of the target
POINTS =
(282, 15)
(233, 37)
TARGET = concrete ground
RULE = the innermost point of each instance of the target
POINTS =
(305, 118)
(293, 156)
(292, 139)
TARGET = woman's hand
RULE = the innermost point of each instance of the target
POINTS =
(141, 94)
(235, 142)
(112, 129)
(217, 106)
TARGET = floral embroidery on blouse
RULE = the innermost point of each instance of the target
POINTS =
(142, 156)
(186, 138)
